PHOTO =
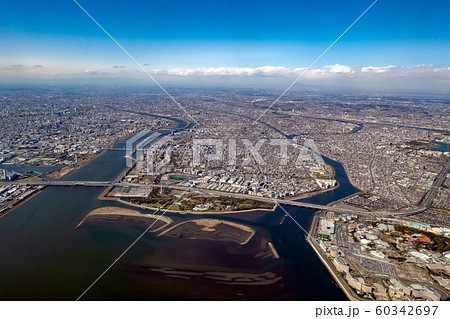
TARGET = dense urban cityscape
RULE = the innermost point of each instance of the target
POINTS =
(219, 153)
(393, 149)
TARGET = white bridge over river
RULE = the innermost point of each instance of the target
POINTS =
(426, 202)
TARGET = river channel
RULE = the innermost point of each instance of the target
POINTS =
(44, 257)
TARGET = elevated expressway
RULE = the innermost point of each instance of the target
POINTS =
(425, 203)
(181, 188)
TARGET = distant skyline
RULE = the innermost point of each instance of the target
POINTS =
(396, 45)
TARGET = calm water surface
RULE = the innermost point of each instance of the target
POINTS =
(43, 257)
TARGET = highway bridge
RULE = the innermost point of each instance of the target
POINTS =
(181, 188)
(431, 194)
(425, 203)
(426, 200)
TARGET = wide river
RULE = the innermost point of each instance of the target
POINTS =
(43, 257)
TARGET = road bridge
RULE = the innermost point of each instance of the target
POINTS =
(178, 187)
(425, 203)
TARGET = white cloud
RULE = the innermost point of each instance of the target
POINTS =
(377, 69)
(426, 76)
(326, 72)
(274, 71)
(229, 71)
(341, 69)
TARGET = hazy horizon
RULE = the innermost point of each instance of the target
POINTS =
(264, 44)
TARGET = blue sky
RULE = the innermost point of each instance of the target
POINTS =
(56, 38)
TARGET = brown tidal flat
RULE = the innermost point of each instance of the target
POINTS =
(211, 229)
(125, 216)
(229, 278)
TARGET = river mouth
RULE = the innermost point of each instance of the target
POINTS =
(224, 255)
(183, 265)
(44, 257)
